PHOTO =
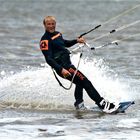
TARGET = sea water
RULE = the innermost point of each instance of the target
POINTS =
(33, 105)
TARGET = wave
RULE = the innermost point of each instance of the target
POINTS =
(38, 89)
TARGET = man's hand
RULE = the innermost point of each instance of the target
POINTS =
(65, 73)
(81, 40)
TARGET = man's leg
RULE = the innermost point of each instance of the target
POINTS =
(78, 94)
(81, 80)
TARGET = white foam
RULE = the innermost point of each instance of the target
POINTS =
(106, 81)
(128, 123)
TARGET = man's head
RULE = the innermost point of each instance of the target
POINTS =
(49, 23)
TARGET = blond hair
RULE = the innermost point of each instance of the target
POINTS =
(48, 18)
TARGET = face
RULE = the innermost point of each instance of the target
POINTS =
(50, 25)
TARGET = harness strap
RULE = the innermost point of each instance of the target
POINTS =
(68, 88)
(59, 81)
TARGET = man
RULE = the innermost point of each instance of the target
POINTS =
(53, 47)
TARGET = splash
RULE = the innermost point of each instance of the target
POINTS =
(32, 89)
(37, 88)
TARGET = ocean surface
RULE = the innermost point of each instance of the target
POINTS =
(32, 104)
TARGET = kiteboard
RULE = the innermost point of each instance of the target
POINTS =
(123, 106)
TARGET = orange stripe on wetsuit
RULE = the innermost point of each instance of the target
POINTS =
(79, 74)
(56, 36)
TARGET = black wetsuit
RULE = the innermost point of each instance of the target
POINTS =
(53, 47)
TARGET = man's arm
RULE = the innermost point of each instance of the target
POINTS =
(69, 43)
(45, 47)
